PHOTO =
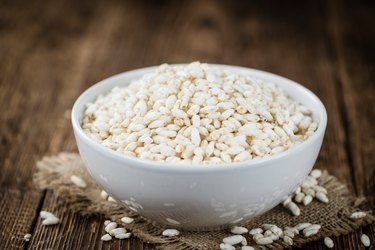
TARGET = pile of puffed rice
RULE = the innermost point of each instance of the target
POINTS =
(306, 191)
(198, 114)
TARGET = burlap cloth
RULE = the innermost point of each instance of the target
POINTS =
(54, 173)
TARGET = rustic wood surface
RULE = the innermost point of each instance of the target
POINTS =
(50, 51)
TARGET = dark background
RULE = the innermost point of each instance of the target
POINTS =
(51, 51)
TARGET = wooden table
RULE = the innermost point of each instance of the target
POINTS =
(51, 51)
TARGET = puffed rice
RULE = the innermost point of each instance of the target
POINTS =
(307, 200)
(292, 230)
(244, 241)
(267, 226)
(78, 181)
(321, 189)
(256, 231)
(198, 106)
(287, 200)
(276, 230)
(302, 226)
(27, 237)
(116, 231)
(127, 220)
(274, 237)
(50, 221)
(170, 232)
(247, 248)
(239, 230)
(328, 242)
(299, 197)
(110, 226)
(306, 192)
(257, 236)
(106, 237)
(103, 195)
(293, 208)
(224, 246)
(313, 227)
(365, 240)
(268, 233)
(322, 197)
(233, 240)
(264, 241)
(311, 230)
(111, 199)
(288, 233)
(48, 218)
(46, 214)
(288, 240)
(121, 236)
(316, 173)
(358, 215)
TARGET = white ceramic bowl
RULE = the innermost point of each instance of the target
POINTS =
(199, 197)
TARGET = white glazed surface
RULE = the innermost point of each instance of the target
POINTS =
(199, 197)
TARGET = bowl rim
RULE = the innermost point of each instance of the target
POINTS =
(200, 168)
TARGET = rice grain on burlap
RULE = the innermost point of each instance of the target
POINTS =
(54, 173)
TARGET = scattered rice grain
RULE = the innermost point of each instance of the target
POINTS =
(233, 240)
(224, 246)
(127, 220)
(256, 231)
(51, 221)
(106, 237)
(110, 226)
(123, 236)
(27, 237)
(365, 240)
(328, 242)
(358, 215)
(239, 230)
(78, 181)
(170, 232)
(264, 241)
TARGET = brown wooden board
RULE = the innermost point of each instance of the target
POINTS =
(50, 51)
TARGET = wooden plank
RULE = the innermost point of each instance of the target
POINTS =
(355, 75)
(292, 44)
(74, 231)
(18, 215)
(33, 104)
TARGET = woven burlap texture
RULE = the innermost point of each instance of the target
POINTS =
(54, 173)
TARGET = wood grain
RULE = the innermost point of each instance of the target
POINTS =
(51, 51)
(355, 54)
(19, 211)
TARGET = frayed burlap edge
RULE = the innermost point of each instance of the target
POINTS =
(54, 173)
